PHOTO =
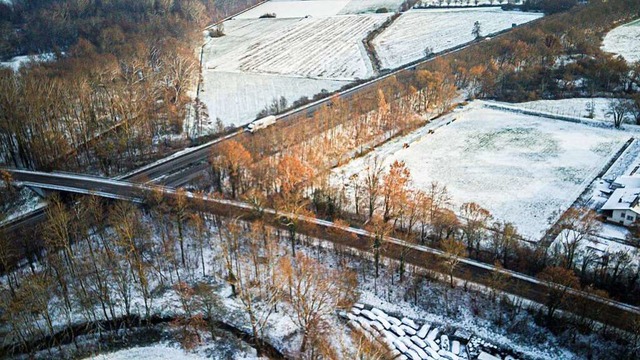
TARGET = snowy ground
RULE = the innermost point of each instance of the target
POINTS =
(365, 6)
(457, 3)
(296, 9)
(26, 202)
(416, 30)
(17, 62)
(624, 41)
(576, 107)
(524, 169)
(236, 98)
(155, 352)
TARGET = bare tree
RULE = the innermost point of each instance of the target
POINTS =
(475, 220)
(576, 226)
(453, 251)
(618, 109)
(558, 281)
(372, 181)
(315, 292)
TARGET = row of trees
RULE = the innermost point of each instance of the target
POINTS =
(47, 26)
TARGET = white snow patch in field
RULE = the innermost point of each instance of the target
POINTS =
(624, 41)
(17, 62)
(155, 352)
(524, 169)
(296, 9)
(314, 47)
(236, 98)
(438, 29)
(465, 3)
(575, 107)
(365, 6)
(612, 231)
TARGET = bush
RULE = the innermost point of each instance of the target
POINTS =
(382, 10)
(549, 6)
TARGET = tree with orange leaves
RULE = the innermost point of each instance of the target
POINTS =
(236, 161)
(395, 189)
(558, 282)
(292, 174)
(314, 292)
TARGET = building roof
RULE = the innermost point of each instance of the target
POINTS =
(627, 181)
(623, 199)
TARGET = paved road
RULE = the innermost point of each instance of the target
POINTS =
(617, 314)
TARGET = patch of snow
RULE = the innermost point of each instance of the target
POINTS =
(296, 9)
(155, 352)
(613, 231)
(236, 98)
(27, 202)
(412, 33)
(366, 6)
(19, 61)
(465, 3)
(624, 41)
(576, 107)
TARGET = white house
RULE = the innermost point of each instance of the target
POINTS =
(623, 206)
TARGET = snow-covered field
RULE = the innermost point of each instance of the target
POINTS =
(365, 6)
(319, 8)
(416, 30)
(314, 47)
(524, 169)
(458, 3)
(296, 9)
(624, 41)
(576, 107)
(236, 98)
